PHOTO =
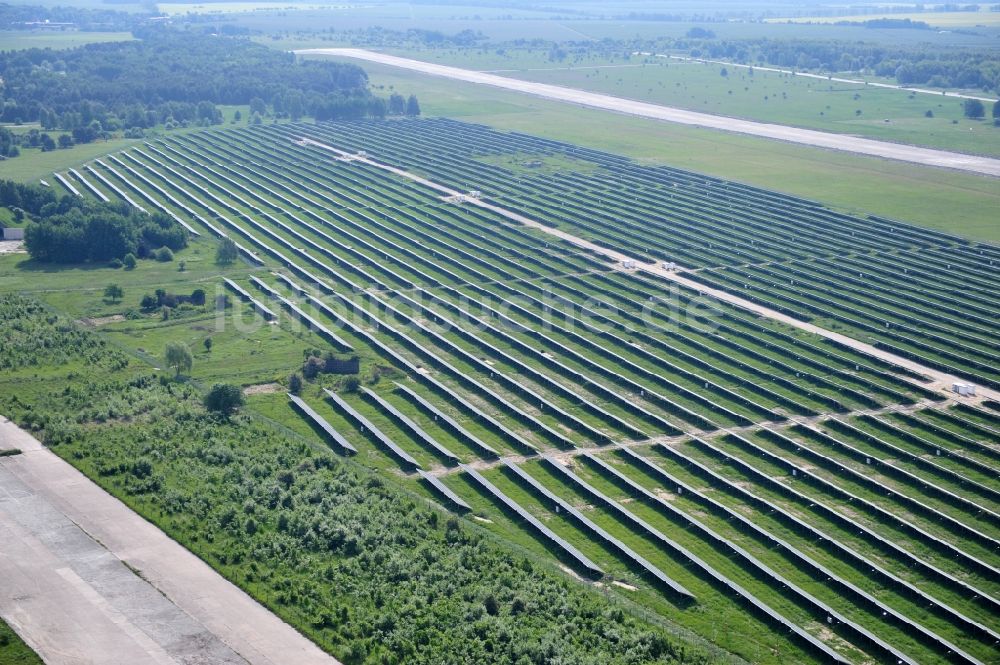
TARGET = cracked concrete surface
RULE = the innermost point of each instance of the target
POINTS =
(85, 580)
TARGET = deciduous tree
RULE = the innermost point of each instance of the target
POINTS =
(224, 398)
(179, 357)
(114, 292)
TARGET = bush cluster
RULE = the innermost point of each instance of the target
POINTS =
(71, 229)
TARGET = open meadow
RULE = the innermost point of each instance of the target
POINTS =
(12, 40)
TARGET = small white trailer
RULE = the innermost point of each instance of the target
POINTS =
(964, 389)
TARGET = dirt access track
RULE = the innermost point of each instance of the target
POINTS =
(84, 580)
(897, 151)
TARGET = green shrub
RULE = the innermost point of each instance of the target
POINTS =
(224, 398)
(226, 252)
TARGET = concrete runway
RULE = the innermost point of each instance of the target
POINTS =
(843, 142)
(85, 581)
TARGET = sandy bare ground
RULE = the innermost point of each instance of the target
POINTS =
(846, 143)
(102, 320)
(12, 247)
(85, 580)
(263, 389)
(941, 381)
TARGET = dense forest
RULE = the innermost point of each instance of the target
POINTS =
(70, 229)
(26, 17)
(369, 572)
(173, 77)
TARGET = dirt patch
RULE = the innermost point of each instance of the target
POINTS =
(12, 247)
(482, 519)
(625, 586)
(263, 389)
(664, 494)
(102, 320)
(569, 571)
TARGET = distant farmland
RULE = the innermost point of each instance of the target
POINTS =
(783, 495)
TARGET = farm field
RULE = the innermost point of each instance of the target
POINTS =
(781, 495)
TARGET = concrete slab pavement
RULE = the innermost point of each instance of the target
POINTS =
(85, 580)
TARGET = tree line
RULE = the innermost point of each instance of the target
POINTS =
(71, 229)
(174, 78)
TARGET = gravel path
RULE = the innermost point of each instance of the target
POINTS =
(896, 151)
(84, 580)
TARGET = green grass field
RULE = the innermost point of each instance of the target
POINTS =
(304, 579)
(12, 40)
(13, 651)
(33, 164)
(935, 198)
(943, 20)
(245, 349)
(890, 115)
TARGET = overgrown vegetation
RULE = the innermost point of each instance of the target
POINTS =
(33, 337)
(370, 573)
